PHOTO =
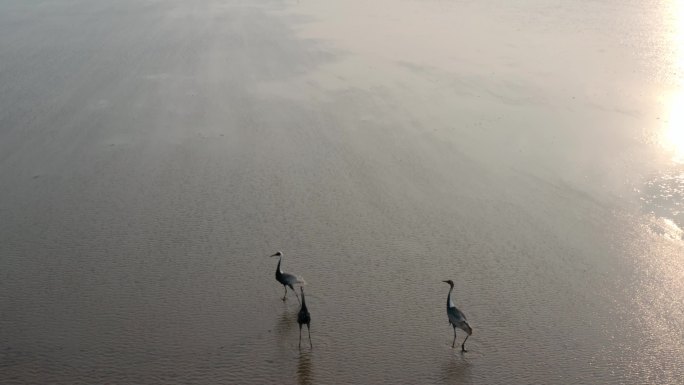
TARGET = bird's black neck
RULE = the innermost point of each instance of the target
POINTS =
(279, 273)
(303, 302)
(449, 297)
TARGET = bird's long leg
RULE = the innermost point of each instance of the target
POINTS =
(308, 328)
(463, 344)
(300, 336)
(454, 343)
(285, 295)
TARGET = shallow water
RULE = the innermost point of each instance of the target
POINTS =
(154, 153)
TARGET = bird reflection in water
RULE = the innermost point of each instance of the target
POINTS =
(284, 326)
(456, 370)
(304, 368)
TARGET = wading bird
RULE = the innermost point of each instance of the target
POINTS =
(304, 318)
(286, 279)
(456, 318)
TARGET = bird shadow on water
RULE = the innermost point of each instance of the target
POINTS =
(304, 368)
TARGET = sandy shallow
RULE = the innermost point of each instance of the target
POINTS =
(154, 153)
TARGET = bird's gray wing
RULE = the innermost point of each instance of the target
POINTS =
(460, 314)
(456, 316)
(291, 279)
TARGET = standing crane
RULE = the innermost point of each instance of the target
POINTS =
(304, 318)
(456, 318)
(286, 279)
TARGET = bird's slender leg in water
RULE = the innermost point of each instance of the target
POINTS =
(454, 343)
(300, 336)
(285, 295)
(308, 328)
(463, 344)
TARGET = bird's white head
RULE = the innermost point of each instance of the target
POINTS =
(450, 282)
(277, 254)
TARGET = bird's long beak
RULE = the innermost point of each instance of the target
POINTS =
(274, 255)
(445, 281)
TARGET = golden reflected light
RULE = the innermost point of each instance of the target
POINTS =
(673, 135)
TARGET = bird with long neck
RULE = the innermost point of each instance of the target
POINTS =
(456, 317)
(286, 279)
(304, 318)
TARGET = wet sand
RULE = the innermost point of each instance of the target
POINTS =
(154, 153)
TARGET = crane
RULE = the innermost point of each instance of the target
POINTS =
(304, 318)
(456, 318)
(286, 279)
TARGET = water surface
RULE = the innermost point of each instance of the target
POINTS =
(154, 153)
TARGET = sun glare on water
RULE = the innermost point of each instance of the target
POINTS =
(674, 131)
(673, 135)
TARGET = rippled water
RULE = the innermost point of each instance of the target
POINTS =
(153, 154)
(663, 196)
